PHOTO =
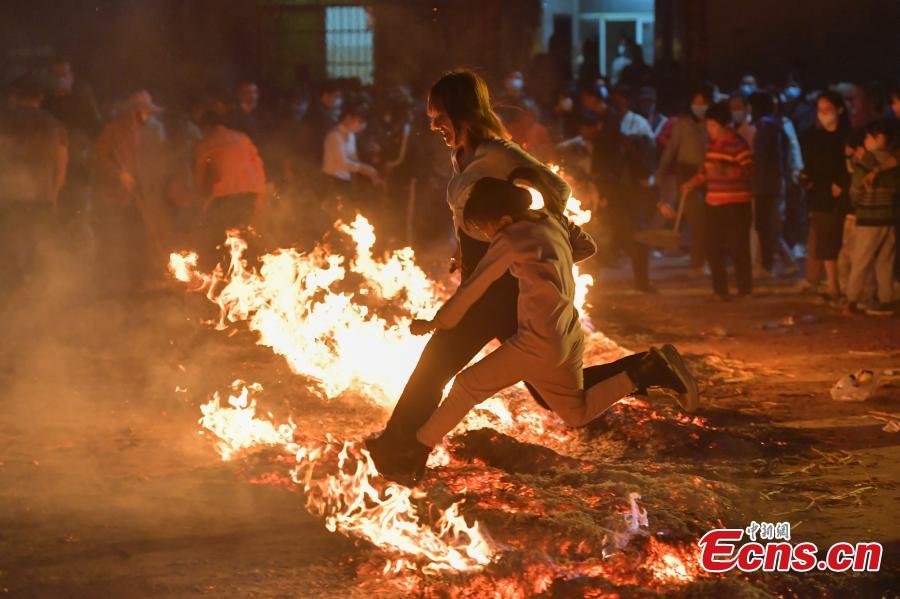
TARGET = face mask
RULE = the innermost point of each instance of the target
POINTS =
(746, 89)
(828, 119)
(792, 92)
(699, 110)
(336, 108)
(61, 84)
(738, 116)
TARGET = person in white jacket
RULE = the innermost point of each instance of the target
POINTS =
(460, 109)
(539, 250)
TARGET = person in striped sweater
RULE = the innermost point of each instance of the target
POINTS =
(725, 173)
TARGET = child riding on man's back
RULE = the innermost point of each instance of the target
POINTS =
(539, 250)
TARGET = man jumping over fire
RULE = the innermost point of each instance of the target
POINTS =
(507, 293)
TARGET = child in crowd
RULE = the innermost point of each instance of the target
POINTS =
(726, 173)
(539, 250)
(873, 195)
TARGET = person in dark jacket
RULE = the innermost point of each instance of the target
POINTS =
(768, 184)
(827, 181)
(33, 160)
(245, 117)
(321, 117)
(72, 103)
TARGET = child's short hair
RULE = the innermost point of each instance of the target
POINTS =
(720, 113)
(877, 128)
(491, 199)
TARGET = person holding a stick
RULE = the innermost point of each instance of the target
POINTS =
(129, 222)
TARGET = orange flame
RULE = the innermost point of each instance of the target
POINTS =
(293, 306)
(294, 303)
(348, 494)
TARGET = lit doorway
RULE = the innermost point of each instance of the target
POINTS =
(613, 27)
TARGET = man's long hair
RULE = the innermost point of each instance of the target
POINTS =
(464, 96)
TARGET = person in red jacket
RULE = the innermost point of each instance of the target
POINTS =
(131, 222)
(229, 175)
(726, 172)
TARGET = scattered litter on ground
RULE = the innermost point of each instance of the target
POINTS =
(892, 421)
(856, 386)
(729, 370)
(789, 321)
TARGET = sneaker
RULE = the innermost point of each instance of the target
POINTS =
(879, 310)
(404, 465)
(665, 368)
(690, 398)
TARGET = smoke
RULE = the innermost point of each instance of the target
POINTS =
(101, 463)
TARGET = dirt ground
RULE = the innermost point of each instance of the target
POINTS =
(791, 349)
(108, 490)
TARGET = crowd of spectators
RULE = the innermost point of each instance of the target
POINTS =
(772, 181)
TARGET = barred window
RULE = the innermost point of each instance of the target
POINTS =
(348, 39)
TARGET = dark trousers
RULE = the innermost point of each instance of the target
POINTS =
(794, 229)
(493, 316)
(629, 213)
(25, 229)
(123, 253)
(728, 235)
(224, 213)
(768, 227)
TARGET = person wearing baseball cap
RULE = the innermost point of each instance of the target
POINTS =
(127, 173)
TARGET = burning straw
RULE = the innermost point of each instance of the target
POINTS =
(339, 339)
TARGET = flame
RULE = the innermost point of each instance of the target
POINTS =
(388, 518)
(299, 305)
(343, 487)
(235, 425)
(580, 216)
(324, 333)
(574, 212)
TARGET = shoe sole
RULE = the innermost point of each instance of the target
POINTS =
(691, 399)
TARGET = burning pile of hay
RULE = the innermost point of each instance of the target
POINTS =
(565, 513)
